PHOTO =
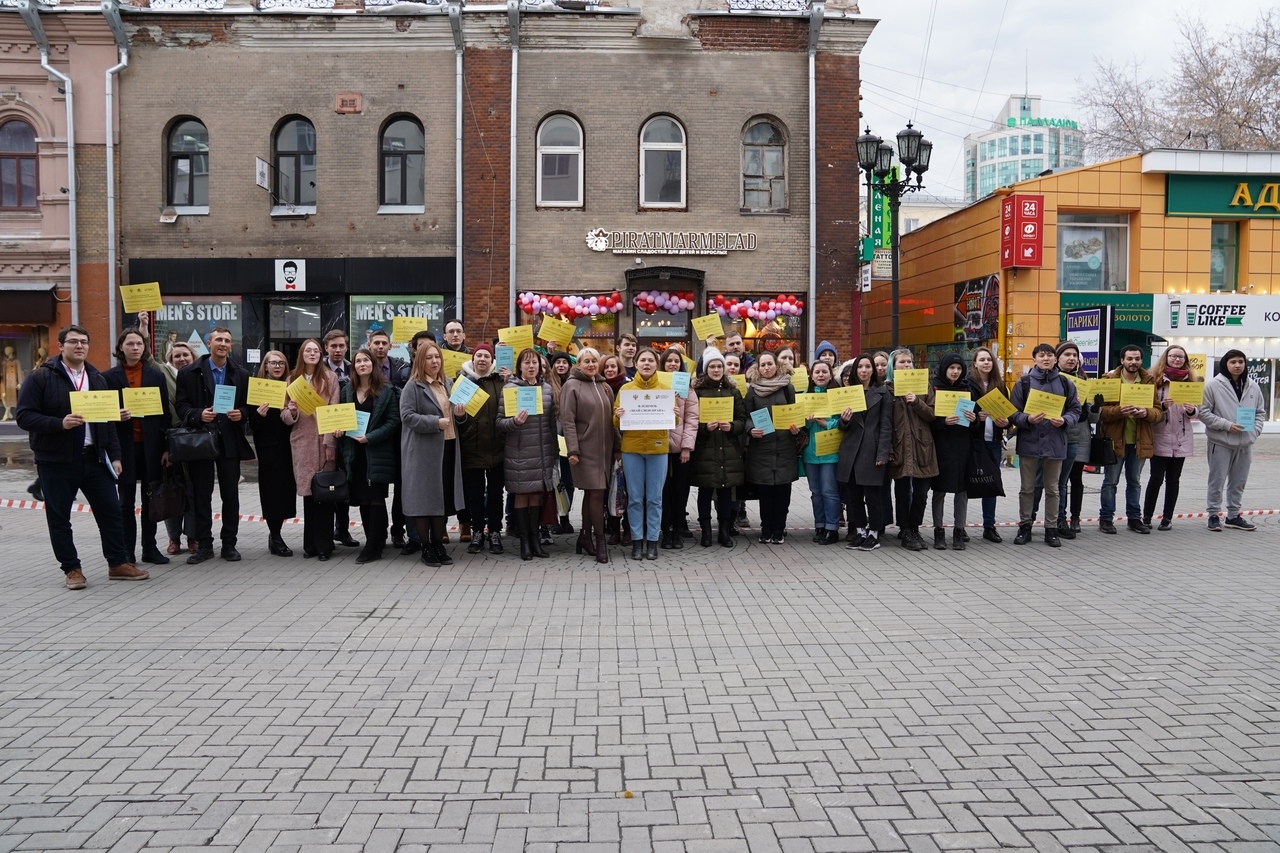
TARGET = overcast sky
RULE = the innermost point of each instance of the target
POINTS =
(1046, 47)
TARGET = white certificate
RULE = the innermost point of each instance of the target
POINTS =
(648, 409)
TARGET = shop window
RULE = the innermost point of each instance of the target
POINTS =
(764, 181)
(748, 314)
(598, 330)
(1093, 252)
(560, 163)
(189, 166)
(295, 177)
(17, 165)
(662, 163)
(372, 313)
(1224, 251)
(401, 154)
(190, 319)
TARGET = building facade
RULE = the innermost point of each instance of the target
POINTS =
(1021, 143)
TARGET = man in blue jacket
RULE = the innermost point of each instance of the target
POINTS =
(72, 455)
(1042, 441)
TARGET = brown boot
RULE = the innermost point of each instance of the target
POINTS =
(602, 548)
(611, 524)
(464, 530)
(75, 579)
(126, 572)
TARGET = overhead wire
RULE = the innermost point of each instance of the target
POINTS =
(985, 75)
(954, 84)
(924, 53)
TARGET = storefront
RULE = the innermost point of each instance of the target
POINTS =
(27, 312)
(279, 303)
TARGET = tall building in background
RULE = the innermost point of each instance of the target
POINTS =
(1021, 144)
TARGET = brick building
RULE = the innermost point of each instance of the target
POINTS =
(295, 166)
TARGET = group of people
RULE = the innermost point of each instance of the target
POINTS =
(513, 456)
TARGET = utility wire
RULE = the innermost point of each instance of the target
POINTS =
(924, 55)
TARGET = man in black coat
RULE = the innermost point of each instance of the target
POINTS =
(142, 441)
(72, 455)
(195, 398)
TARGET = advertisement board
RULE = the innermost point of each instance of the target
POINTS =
(1229, 315)
(1090, 330)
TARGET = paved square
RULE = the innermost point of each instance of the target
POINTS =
(1120, 694)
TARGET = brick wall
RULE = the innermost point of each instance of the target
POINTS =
(838, 317)
(486, 190)
(754, 34)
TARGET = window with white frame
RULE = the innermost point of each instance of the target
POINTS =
(189, 164)
(560, 162)
(764, 167)
(662, 163)
(402, 152)
(1093, 252)
(295, 145)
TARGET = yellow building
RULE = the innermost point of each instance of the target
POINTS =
(1176, 246)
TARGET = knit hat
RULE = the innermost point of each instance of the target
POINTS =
(711, 354)
(825, 346)
(1066, 345)
(557, 356)
(483, 348)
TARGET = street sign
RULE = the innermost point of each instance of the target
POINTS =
(1022, 231)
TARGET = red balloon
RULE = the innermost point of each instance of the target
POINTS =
(528, 309)
(742, 310)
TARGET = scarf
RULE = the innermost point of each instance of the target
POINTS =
(616, 382)
(1176, 374)
(764, 387)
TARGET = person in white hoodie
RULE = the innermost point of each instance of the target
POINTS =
(1228, 398)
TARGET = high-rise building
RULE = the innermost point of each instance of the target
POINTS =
(1021, 144)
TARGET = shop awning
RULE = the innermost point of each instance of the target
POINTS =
(28, 302)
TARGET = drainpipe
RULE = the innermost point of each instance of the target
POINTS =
(32, 19)
(455, 23)
(111, 11)
(513, 16)
(816, 9)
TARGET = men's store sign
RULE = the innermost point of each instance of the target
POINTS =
(670, 242)
(1223, 196)
(1226, 315)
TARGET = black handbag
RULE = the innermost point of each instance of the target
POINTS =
(329, 487)
(166, 498)
(193, 444)
(982, 475)
(1102, 452)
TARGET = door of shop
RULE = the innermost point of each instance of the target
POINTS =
(290, 322)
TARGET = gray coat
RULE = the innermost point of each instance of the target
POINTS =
(422, 453)
(868, 438)
(532, 447)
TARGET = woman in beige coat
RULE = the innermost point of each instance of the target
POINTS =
(312, 452)
(586, 419)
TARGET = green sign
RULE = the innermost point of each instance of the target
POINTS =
(1223, 196)
(1042, 122)
(1130, 310)
(881, 216)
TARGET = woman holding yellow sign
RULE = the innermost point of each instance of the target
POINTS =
(312, 452)
(773, 455)
(913, 463)
(952, 437)
(987, 378)
(369, 454)
(717, 466)
(1179, 392)
(529, 423)
(277, 492)
(820, 468)
(864, 455)
(431, 465)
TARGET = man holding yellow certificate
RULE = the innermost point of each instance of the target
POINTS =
(1042, 440)
(1128, 424)
(74, 456)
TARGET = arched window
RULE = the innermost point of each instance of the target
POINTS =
(403, 152)
(662, 163)
(764, 166)
(296, 163)
(189, 164)
(17, 165)
(560, 163)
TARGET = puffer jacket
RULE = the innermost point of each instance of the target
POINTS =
(717, 456)
(1218, 412)
(685, 434)
(482, 442)
(1173, 436)
(1113, 421)
(1044, 440)
(532, 448)
(382, 437)
(774, 459)
(913, 454)
(642, 441)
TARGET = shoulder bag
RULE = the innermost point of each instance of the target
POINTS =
(329, 487)
(193, 444)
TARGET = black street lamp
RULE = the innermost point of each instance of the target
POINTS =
(875, 157)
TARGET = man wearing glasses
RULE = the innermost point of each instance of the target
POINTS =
(74, 456)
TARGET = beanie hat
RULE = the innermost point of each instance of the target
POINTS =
(1066, 345)
(711, 354)
(483, 348)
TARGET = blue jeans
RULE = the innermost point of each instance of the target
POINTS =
(1073, 448)
(825, 493)
(646, 474)
(989, 504)
(60, 482)
(1132, 486)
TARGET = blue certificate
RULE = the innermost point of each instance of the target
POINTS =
(1247, 417)
(527, 398)
(504, 356)
(224, 399)
(763, 420)
(362, 424)
(680, 384)
(463, 390)
(963, 406)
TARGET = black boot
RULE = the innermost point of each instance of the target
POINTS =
(939, 539)
(957, 542)
(429, 554)
(677, 539)
(705, 524)
(442, 555)
(637, 549)
(726, 534)
(278, 547)
(651, 549)
(531, 516)
(477, 541)
(495, 541)
(518, 521)
(1024, 534)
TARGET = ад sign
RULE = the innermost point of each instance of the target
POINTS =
(1022, 231)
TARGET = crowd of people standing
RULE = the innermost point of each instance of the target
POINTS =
(511, 466)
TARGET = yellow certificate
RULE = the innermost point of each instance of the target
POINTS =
(1081, 383)
(815, 405)
(557, 330)
(1042, 401)
(1198, 362)
(453, 361)
(142, 402)
(1138, 394)
(997, 405)
(784, 417)
(141, 297)
(705, 327)
(404, 328)
(564, 445)
(477, 401)
(96, 406)
(301, 392)
(827, 442)
(715, 410)
(853, 397)
(519, 338)
(1108, 388)
(911, 382)
(511, 400)
(800, 379)
(944, 402)
(741, 381)
(269, 391)
(341, 416)
(1191, 393)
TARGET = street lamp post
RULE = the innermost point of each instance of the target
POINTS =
(875, 157)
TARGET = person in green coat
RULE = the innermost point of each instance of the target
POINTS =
(370, 458)
(820, 471)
